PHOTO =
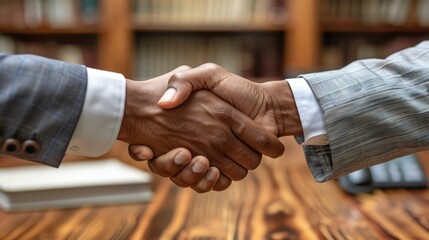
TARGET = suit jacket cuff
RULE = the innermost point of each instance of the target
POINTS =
(101, 116)
(310, 113)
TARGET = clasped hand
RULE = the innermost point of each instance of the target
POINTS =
(204, 139)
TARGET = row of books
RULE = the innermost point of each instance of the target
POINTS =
(393, 12)
(210, 11)
(47, 13)
(74, 53)
(343, 51)
(249, 56)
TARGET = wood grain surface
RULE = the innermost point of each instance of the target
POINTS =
(279, 200)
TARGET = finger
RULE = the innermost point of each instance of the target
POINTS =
(140, 152)
(171, 163)
(208, 182)
(222, 183)
(243, 155)
(255, 135)
(192, 173)
(182, 84)
(230, 168)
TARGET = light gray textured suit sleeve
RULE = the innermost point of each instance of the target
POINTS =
(374, 110)
(40, 99)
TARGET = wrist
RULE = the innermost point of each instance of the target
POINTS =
(285, 109)
(141, 106)
(135, 93)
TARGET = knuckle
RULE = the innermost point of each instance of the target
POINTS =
(182, 185)
(201, 189)
(238, 174)
(222, 111)
(188, 182)
(179, 79)
(254, 163)
(262, 141)
(240, 129)
(247, 158)
(198, 190)
(183, 68)
(211, 66)
(280, 151)
(149, 164)
(163, 172)
(178, 76)
(222, 186)
(220, 139)
(179, 183)
(162, 169)
(241, 175)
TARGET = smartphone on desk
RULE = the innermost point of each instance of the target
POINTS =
(402, 172)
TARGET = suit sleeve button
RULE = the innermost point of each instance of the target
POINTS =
(31, 147)
(11, 145)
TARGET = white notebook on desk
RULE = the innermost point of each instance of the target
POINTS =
(74, 184)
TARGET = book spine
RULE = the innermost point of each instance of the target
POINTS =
(48, 13)
(371, 12)
(249, 56)
(215, 12)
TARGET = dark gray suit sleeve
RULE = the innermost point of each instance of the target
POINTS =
(41, 100)
(374, 110)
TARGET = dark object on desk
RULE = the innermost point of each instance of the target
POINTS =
(403, 172)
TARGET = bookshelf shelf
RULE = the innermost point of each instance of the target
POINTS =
(360, 29)
(380, 28)
(208, 28)
(75, 30)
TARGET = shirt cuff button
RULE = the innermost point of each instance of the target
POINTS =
(74, 148)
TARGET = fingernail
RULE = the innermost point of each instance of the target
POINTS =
(198, 167)
(180, 158)
(168, 95)
(142, 154)
(211, 175)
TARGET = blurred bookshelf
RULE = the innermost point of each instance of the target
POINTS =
(244, 36)
(60, 29)
(226, 13)
(259, 39)
(252, 55)
(359, 29)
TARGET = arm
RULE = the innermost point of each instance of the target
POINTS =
(375, 110)
(35, 108)
(270, 104)
(44, 108)
(204, 125)
(49, 112)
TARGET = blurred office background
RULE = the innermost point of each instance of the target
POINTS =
(259, 39)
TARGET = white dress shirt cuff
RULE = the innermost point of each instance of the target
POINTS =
(101, 117)
(310, 113)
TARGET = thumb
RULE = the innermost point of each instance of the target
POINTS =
(182, 84)
(140, 152)
(178, 90)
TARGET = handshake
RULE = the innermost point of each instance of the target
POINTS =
(204, 127)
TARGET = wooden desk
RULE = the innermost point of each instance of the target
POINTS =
(279, 200)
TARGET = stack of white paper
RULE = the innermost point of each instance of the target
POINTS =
(72, 185)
